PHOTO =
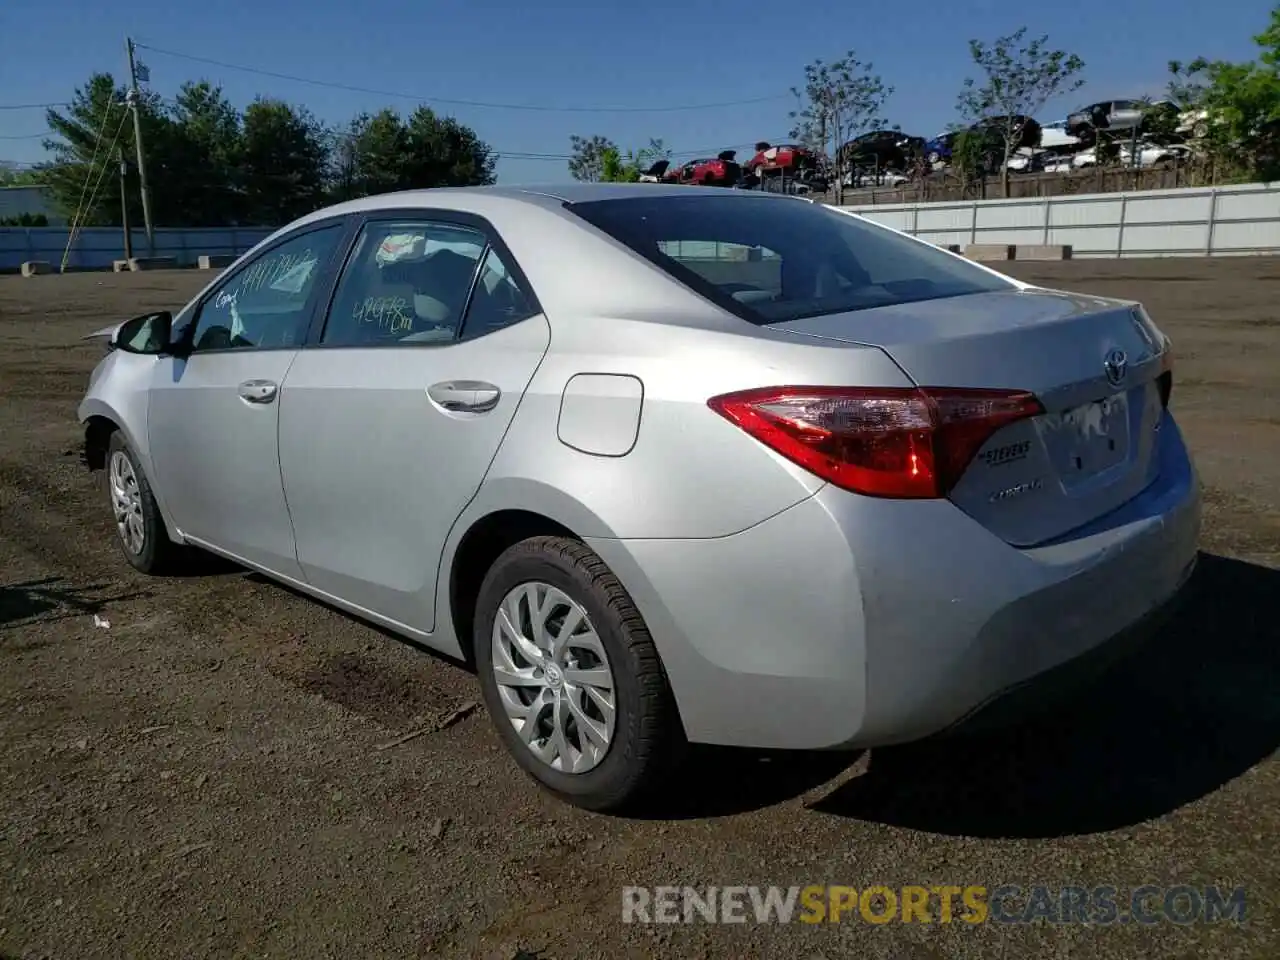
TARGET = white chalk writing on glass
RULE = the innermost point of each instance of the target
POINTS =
(270, 270)
(391, 314)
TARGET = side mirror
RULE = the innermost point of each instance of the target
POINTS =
(147, 334)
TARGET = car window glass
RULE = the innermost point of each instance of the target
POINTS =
(405, 282)
(776, 260)
(498, 299)
(263, 304)
(748, 274)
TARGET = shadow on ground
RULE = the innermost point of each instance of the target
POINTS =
(52, 599)
(1193, 708)
(721, 781)
(1188, 711)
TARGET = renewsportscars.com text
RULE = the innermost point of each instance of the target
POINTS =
(973, 904)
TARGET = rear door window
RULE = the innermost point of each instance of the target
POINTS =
(405, 282)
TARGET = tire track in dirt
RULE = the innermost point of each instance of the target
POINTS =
(63, 525)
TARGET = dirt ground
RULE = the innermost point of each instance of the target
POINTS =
(210, 775)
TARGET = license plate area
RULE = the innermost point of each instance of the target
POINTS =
(1088, 441)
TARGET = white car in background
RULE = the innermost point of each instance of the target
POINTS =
(1021, 161)
(1054, 136)
(886, 178)
(1067, 164)
(1149, 155)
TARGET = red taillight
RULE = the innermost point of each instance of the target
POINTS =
(903, 442)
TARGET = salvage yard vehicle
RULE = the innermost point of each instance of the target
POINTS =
(666, 464)
(719, 171)
(785, 163)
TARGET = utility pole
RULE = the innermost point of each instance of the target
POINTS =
(134, 96)
(124, 207)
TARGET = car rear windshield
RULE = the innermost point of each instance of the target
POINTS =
(775, 259)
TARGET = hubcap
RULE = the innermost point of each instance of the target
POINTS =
(126, 502)
(554, 677)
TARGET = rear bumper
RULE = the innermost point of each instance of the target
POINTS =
(846, 621)
(1047, 691)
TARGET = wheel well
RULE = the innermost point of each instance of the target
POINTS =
(97, 434)
(481, 546)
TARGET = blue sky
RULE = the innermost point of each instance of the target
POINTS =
(570, 53)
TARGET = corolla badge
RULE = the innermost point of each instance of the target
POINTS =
(1018, 490)
(1116, 364)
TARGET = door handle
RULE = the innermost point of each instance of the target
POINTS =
(469, 396)
(258, 391)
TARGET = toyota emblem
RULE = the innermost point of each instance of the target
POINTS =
(1116, 365)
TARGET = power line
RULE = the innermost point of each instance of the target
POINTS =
(340, 135)
(500, 154)
(32, 106)
(459, 103)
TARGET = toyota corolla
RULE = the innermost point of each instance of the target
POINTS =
(665, 464)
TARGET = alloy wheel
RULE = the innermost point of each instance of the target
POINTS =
(554, 678)
(126, 503)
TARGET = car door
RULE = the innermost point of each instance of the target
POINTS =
(214, 411)
(1125, 115)
(391, 415)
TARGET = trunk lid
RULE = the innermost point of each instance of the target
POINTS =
(1093, 363)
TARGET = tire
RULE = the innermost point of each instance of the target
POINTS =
(157, 554)
(646, 741)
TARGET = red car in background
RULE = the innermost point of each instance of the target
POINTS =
(788, 158)
(785, 165)
(770, 163)
(719, 171)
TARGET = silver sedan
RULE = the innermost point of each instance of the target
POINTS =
(665, 464)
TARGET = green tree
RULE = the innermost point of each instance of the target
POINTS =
(838, 102)
(614, 166)
(1018, 78)
(445, 153)
(283, 162)
(370, 155)
(638, 161)
(210, 165)
(25, 220)
(971, 156)
(11, 176)
(381, 152)
(86, 138)
(1241, 105)
(588, 156)
(198, 160)
(1160, 120)
(96, 129)
(614, 169)
(655, 151)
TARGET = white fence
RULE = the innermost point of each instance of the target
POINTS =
(96, 247)
(1195, 221)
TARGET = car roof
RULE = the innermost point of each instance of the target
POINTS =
(546, 196)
